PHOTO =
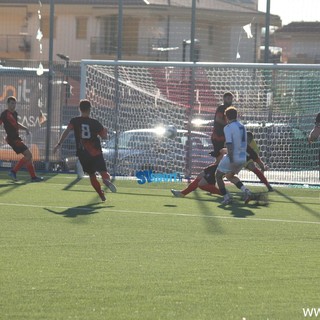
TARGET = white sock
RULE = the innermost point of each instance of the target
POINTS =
(243, 189)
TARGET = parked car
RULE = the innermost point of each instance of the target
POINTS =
(283, 146)
(153, 149)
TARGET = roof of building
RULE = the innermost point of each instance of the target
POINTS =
(296, 27)
(242, 7)
(228, 5)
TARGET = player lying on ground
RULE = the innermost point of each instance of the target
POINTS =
(206, 179)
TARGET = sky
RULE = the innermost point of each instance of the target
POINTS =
(293, 10)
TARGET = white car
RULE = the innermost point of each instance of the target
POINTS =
(153, 149)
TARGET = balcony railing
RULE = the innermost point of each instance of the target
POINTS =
(145, 47)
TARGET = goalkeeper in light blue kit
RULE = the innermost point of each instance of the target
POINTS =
(232, 162)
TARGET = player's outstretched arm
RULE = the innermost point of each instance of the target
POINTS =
(64, 135)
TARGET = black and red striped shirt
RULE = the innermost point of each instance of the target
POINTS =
(10, 122)
(86, 132)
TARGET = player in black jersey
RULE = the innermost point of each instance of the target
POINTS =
(9, 119)
(88, 147)
(220, 121)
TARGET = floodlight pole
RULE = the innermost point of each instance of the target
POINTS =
(50, 89)
(191, 93)
(267, 34)
(117, 87)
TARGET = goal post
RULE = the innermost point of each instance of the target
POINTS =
(277, 103)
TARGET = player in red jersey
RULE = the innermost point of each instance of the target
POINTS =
(205, 180)
(9, 119)
(217, 137)
(88, 146)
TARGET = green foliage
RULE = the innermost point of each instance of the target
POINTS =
(144, 254)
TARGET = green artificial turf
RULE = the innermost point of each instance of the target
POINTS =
(144, 254)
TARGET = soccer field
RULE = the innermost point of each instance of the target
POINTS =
(144, 254)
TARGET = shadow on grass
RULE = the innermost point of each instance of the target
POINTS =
(24, 179)
(299, 204)
(207, 210)
(240, 210)
(71, 184)
(237, 207)
(11, 186)
(84, 210)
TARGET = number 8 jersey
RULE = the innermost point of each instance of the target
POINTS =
(86, 132)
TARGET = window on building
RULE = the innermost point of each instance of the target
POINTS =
(130, 35)
(81, 27)
(107, 42)
(45, 26)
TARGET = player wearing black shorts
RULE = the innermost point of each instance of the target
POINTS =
(9, 119)
(88, 147)
(205, 180)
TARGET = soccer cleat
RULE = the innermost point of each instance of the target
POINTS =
(226, 199)
(247, 196)
(13, 175)
(110, 185)
(177, 193)
(270, 189)
(102, 196)
(37, 179)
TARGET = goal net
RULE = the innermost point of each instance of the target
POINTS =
(277, 103)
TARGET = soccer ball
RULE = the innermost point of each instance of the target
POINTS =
(171, 132)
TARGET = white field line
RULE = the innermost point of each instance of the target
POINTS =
(164, 213)
(273, 194)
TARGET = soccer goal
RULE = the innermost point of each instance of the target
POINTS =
(277, 103)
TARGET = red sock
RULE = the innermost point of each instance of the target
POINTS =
(210, 188)
(20, 163)
(30, 168)
(192, 186)
(261, 176)
(95, 183)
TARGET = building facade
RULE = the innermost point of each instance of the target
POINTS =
(151, 30)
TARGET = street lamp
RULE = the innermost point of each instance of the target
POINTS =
(63, 57)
